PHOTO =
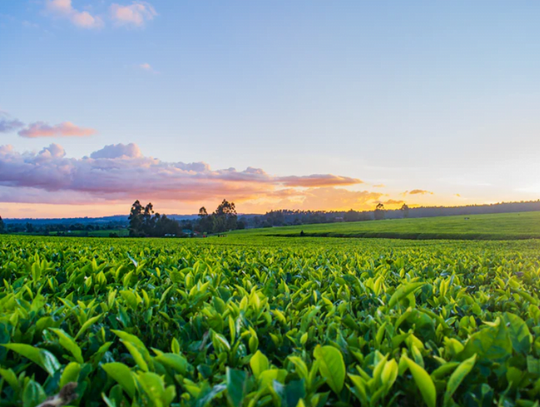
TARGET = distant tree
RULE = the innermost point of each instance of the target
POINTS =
(225, 217)
(29, 227)
(351, 216)
(205, 224)
(136, 219)
(149, 222)
(2, 226)
(405, 210)
(379, 212)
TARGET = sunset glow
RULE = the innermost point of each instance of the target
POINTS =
(272, 105)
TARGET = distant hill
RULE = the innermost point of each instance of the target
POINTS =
(118, 219)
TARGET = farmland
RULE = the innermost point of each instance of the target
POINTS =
(250, 320)
(524, 225)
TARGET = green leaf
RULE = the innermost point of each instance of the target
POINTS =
(122, 374)
(70, 374)
(33, 394)
(423, 382)
(236, 386)
(174, 361)
(519, 332)
(331, 366)
(259, 363)
(457, 377)
(491, 343)
(403, 291)
(9, 376)
(69, 344)
(46, 360)
(87, 325)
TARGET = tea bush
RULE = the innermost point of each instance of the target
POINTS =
(269, 322)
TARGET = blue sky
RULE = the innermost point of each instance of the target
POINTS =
(433, 96)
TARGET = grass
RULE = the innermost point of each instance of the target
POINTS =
(525, 225)
(95, 233)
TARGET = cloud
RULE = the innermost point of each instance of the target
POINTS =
(134, 15)
(393, 202)
(379, 186)
(8, 125)
(417, 192)
(121, 173)
(420, 192)
(147, 68)
(66, 129)
(118, 151)
(82, 19)
(318, 180)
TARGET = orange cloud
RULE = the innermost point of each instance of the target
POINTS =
(66, 129)
(318, 180)
(393, 202)
(379, 186)
(417, 192)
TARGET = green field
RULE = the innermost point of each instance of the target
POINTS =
(269, 321)
(96, 233)
(525, 225)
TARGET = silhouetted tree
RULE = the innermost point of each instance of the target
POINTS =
(379, 211)
(2, 226)
(351, 216)
(225, 217)
(405, 210)
(136, 219)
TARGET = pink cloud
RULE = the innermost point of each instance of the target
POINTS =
(135, 15)
(66, 129)
(64, 9)
(120, 173)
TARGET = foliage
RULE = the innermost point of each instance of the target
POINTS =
(269, 322)
(142, 223)
(379, 212)
(223, 219)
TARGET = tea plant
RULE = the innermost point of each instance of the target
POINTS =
(269, 322)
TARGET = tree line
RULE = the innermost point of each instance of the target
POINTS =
(144, 222)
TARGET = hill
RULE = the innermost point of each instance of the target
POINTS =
(504, 226)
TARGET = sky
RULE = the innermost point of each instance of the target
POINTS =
(331, 105)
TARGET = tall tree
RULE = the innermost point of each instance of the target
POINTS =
(226, 217)
(136, 219)
(405, 210)
(2, 226)
(379, 211)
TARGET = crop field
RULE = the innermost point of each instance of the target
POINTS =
(261, 321)
(525, 225)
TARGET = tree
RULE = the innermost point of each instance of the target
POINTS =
(226, 217)
(405, 210)
(351, 216)
(379, 211)
(2, 226)
(136, 219)
(149, 222)
(29, 227)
